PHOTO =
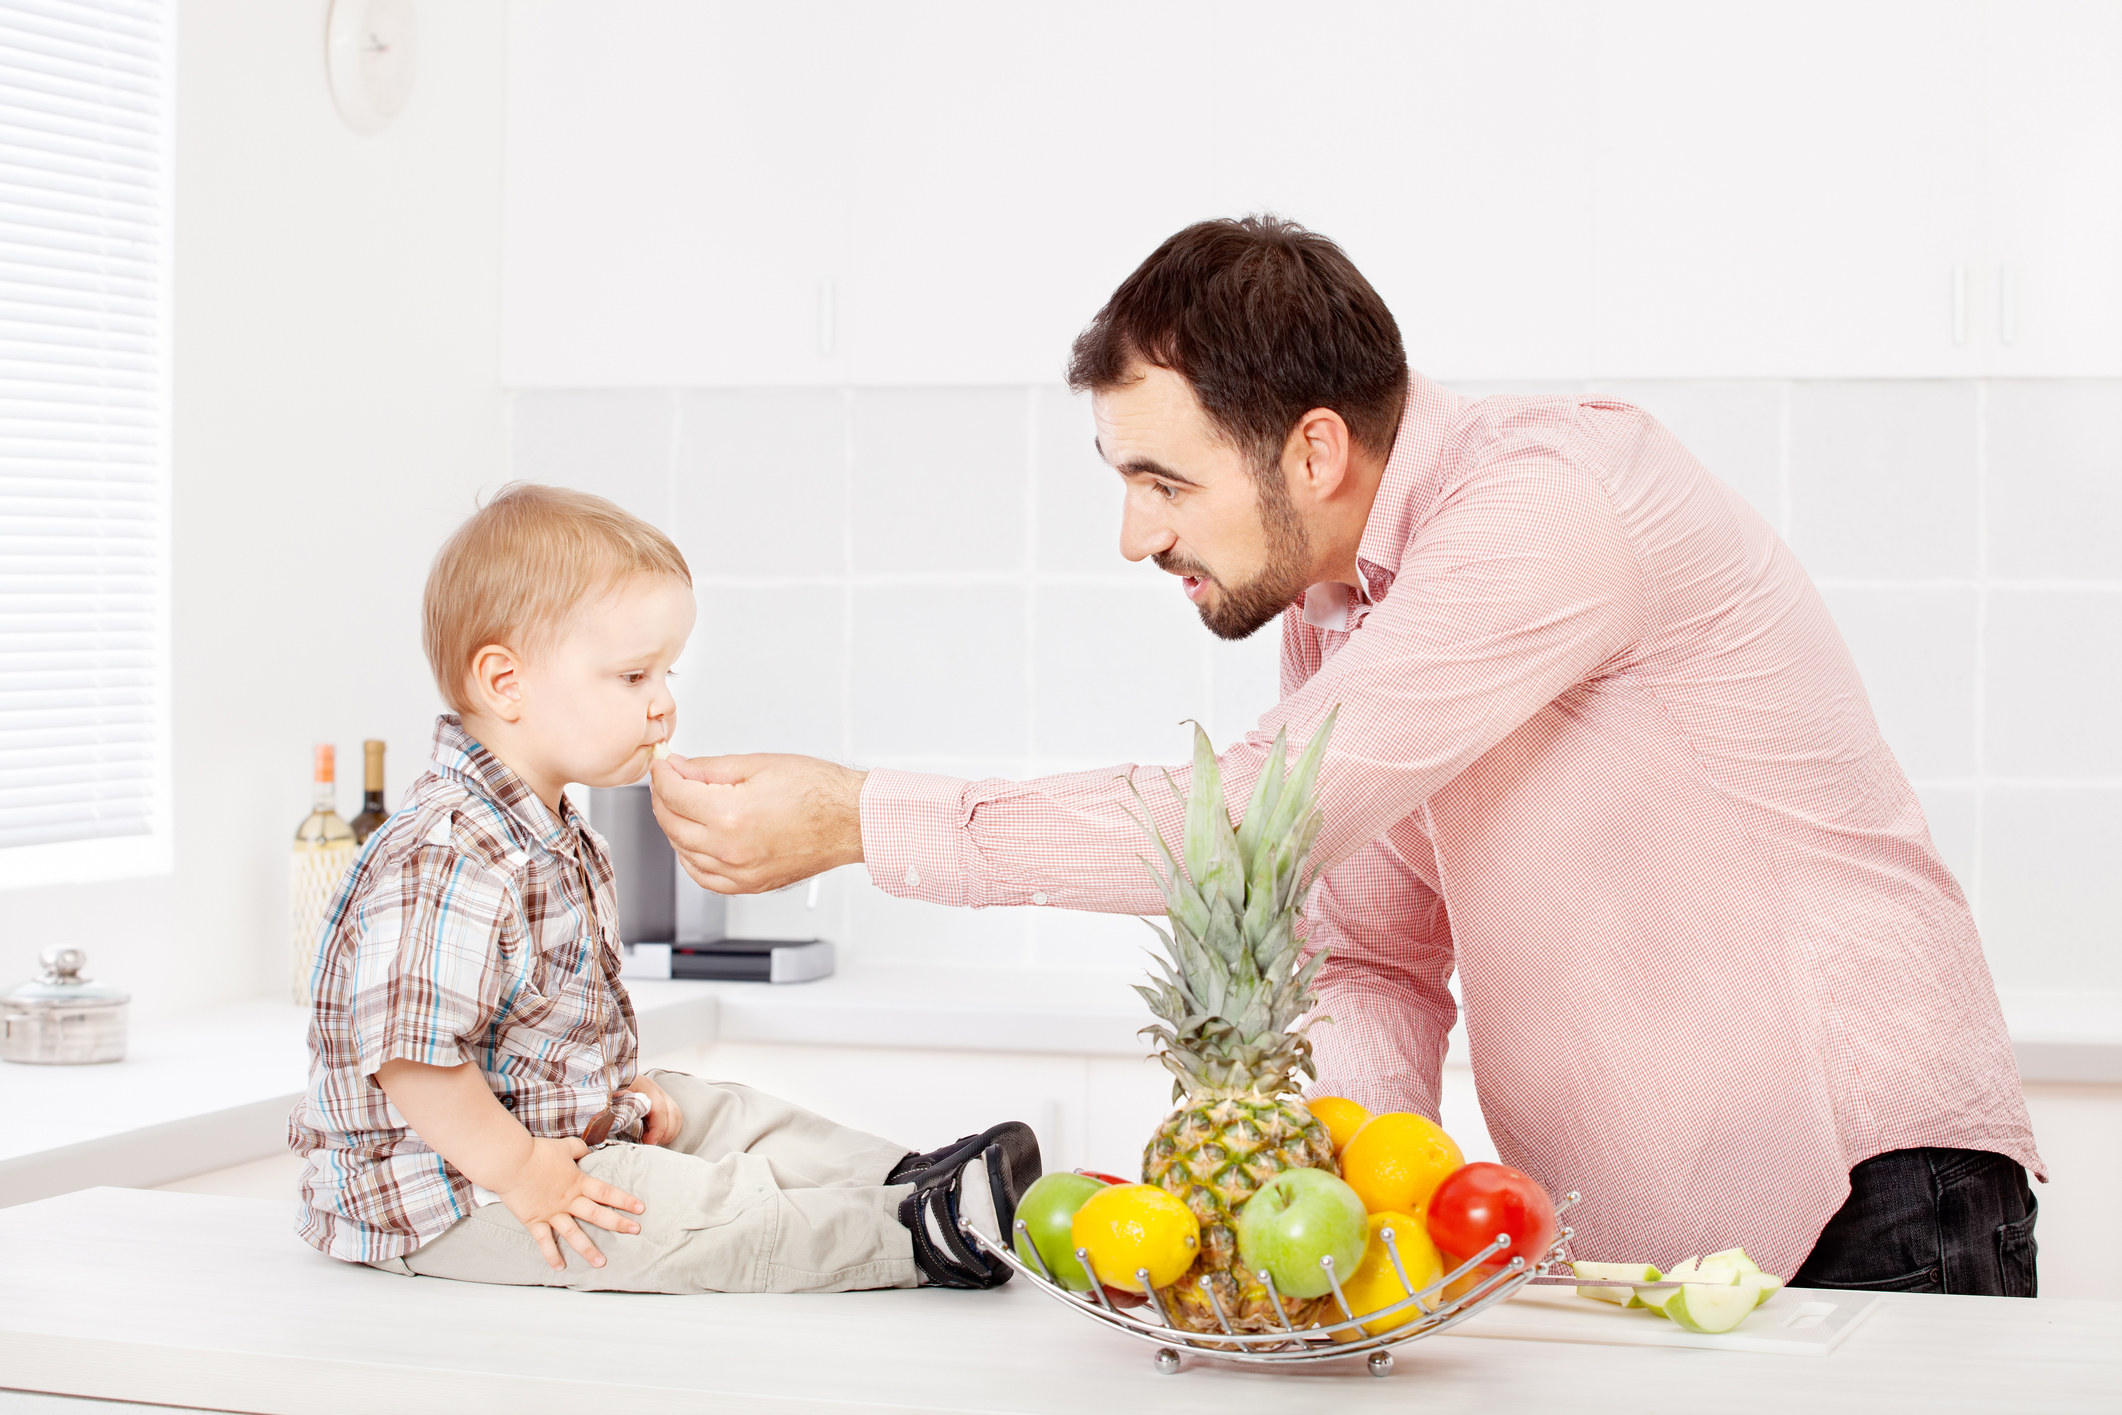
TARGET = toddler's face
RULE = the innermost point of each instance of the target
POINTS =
(597, 700)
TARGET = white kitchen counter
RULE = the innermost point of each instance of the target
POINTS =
(211, 1089)
(214, 1088)
(213, 1303)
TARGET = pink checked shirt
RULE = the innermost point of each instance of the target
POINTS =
(1602, 750)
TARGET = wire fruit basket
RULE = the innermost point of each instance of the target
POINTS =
(1326, 1341)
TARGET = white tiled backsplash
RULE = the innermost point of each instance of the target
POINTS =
(928, 578)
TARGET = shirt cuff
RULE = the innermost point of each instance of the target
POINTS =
(912, 829)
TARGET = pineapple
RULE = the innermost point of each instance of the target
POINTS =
(1229, 1003)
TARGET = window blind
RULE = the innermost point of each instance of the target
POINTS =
(83, 212)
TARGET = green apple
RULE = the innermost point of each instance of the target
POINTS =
(1714, 1272)
(1766, 1285)
(1048, 1209)
(1709, 1309)
(1737, 1258)
(1615, 1272)
(1297, 1218)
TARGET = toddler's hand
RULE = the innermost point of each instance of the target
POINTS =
(551, 1192)
(665, 1121)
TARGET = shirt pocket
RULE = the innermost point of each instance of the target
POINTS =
(1930, 1279)
(550, 999)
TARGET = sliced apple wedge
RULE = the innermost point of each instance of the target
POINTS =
(1614, 1272)
(1737, 1258)
(1710, 1310)
(1765, 1285)
(1716, 1271)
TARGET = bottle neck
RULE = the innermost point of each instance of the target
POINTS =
(326, 798)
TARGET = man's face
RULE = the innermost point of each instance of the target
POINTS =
(1196, 506)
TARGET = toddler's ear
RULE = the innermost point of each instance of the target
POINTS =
(496, 680)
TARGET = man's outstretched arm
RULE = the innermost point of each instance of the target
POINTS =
(1522, 586)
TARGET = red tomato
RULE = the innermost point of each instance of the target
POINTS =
(1480, 1200)
(1108, 1178)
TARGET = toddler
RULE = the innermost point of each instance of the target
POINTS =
(474, 1106)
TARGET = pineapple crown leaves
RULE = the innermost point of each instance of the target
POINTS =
(1230, 988)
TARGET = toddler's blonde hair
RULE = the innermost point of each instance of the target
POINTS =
(520, 566)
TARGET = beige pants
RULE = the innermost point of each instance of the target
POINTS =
(756, 1195)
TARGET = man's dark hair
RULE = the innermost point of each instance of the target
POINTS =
(1265, 321)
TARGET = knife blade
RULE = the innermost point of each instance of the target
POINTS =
(1557, 1280)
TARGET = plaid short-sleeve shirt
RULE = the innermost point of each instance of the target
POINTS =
(476, 928)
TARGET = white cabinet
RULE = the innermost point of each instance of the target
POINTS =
(2052, 288)
(941, 194)
(827, 193)
(1094, 1112)
(1788, 189)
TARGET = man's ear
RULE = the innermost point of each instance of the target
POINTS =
(496, 682)
(1315, 458)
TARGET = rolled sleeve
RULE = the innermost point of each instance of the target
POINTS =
(912, 829)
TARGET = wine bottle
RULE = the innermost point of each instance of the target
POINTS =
(324, 847)
(373, 815)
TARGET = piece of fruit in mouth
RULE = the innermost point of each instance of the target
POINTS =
(662, 750)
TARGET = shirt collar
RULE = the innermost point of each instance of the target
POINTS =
(459, 756)
(1426, 421)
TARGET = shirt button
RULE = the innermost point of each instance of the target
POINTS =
(913, 877)
(1039, 896)
(508, 1102)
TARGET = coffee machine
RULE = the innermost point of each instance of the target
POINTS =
(672, 928)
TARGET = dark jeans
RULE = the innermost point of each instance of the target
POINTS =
(1930, 1221)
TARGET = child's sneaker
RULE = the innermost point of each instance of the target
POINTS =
(979, 1180)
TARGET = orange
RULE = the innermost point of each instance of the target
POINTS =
(1397, 1161)
(1375, 1284)
(1129, 1227)
(1341, 1117)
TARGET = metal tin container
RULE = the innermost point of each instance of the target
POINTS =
(62, 1018)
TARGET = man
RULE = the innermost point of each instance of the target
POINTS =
(1600, 749)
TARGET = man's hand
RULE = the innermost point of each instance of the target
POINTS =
(745, 825)
(550, 1193)
(666, 1122)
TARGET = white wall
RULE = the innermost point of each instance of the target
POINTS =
(336, 401)
(929, 579)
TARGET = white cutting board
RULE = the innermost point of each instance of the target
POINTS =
(1802, 1321)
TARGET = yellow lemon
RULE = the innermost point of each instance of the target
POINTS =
(1375, 1284)
(1127, 1227)
(1341, 1117)
(1396, 1161)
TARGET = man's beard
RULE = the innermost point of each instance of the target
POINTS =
(1242, 610)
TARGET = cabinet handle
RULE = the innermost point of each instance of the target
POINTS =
(1959, 304)
(2007, 304)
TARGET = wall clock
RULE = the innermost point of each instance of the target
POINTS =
(370, 49)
